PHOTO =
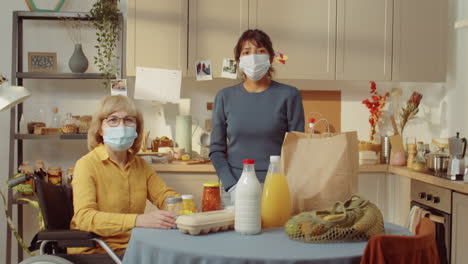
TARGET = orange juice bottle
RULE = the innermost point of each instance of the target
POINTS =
(276, 200)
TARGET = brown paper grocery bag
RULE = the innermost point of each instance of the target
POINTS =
(320, 169)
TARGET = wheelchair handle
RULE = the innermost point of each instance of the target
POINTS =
(19, 180)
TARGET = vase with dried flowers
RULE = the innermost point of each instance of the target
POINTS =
(78, 62)
(410, 110)
(375, 105)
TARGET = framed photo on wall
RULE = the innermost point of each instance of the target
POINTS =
(119, 86)
(42, 61)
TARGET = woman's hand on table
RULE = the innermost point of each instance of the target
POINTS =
(159, 219)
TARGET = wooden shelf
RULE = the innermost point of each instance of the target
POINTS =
(57, 75)
(52, 15)
(48, 137)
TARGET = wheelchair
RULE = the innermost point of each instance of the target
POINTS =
(56, 204)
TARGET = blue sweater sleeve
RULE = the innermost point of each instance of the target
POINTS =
(295, 112)
(218, 144)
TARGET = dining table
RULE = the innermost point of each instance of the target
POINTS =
(271, 246)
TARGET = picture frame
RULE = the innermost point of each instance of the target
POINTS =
(203, 70)
(42, 62)
(229, 68)
(118, 86)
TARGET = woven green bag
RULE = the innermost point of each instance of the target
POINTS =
(355, 220)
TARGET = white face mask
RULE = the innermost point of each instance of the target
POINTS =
(255, 66)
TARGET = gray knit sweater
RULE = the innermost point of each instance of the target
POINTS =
(252, 126)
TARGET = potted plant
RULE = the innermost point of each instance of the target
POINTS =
(104, 16)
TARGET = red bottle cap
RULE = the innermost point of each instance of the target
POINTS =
(249, 161)
(312, 120)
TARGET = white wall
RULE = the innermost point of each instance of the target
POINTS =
(82, 96)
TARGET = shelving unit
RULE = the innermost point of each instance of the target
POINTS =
(49, 137)
(57, 75)
(18, 75)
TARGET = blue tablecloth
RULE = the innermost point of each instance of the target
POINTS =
(272, 246)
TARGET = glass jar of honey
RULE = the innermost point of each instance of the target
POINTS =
(211, 200)
(188, 205)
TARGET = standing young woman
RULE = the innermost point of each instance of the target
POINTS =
(251, 118)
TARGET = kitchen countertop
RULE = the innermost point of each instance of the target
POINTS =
(209, 168)
(458, 186)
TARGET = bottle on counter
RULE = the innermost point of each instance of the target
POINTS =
(188, 205)
(248, 201)
(311, 125)
(276, 200)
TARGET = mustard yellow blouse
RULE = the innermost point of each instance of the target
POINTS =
(107, 198)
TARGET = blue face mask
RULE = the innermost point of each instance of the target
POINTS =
(120, 138)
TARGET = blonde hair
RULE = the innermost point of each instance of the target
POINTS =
(109, 105)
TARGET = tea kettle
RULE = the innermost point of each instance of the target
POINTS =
(457, 148)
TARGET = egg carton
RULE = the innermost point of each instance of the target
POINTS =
(206, 222)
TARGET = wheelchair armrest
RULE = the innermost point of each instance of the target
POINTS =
(66, 238)
(58, 235)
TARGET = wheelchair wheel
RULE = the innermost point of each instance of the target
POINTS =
(45, 259)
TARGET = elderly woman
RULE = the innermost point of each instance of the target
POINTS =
(111, 184)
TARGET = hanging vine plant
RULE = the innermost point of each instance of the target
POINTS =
(105, 18)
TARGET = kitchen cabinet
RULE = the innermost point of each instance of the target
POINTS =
(382, 40)
(214, 28)
(157, 34)
(364, 40)
(372, 187)
(420, 40)
(398, 192)
(186, 183)
(303, 30)
(459, 227)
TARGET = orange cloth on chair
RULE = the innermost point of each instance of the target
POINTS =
(418, 249)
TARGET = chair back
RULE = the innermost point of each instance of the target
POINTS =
(418, 249)
(56, 204)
